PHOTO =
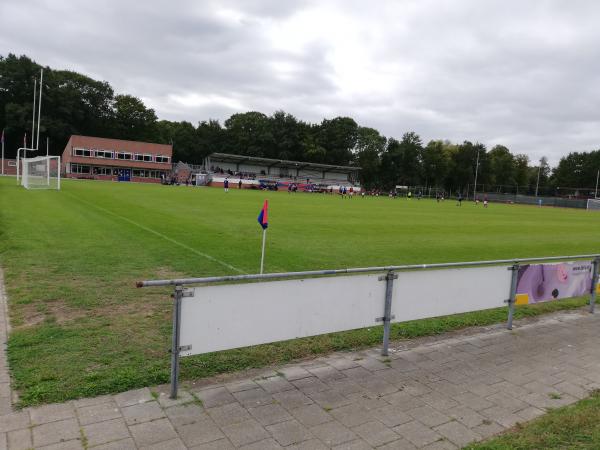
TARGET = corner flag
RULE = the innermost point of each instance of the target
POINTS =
(263, 217)
(263, 221)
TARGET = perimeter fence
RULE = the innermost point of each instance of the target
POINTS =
(219, 313)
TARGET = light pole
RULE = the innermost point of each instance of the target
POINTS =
(596, 191)
(538, 180)
(476, 172)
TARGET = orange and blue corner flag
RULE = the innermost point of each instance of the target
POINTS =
(263, 217)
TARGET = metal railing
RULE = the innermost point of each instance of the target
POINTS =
(312, 273)
(389, 277)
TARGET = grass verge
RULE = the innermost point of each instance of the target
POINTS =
(56, 377)
(575, 426)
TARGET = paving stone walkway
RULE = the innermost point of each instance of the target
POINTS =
(432, 393)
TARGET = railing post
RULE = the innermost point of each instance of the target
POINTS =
(512, 295)
(595, 266)
(387, 314)
(177, 296)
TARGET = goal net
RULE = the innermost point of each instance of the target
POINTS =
(41, 172)
(594, 204)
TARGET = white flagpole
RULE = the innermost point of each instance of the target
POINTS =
(37, 141)
(262, 257)
(32, 119)
(47, 161)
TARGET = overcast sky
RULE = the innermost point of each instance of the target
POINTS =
(525, 74)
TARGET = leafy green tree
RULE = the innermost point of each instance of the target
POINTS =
(288, 136)
(338, 137)
(211, 138)
(577, 170)
(435, 162)
(502, 166)
(370, 145)
(250, 134)
(464, 162)
(522, 172)
(400, 163)
(183, 137)
(132, 120)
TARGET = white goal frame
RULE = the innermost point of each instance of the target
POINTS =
(593, 204)
(45, 178)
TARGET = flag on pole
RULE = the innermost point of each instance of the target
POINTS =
(263, 217)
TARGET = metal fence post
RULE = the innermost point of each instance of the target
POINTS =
(595, 264)
(178, 295)
(387, 314)
(513, 294)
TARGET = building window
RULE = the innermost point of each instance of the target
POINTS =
(144, 158)
(124, 155)
(162, 159)
(84, 152)
(108, 154)
(141, 173)
(102, 171)
(78, 168)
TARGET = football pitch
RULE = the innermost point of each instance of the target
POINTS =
(71, 259)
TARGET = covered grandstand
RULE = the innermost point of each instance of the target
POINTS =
(267, 173)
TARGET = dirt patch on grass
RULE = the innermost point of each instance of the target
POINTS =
(59, 312)
(113, 298)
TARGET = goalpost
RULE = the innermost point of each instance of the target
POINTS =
(41, 172)
(593, 204)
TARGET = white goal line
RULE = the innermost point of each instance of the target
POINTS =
(157, 233)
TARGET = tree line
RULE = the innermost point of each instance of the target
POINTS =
(77, 104)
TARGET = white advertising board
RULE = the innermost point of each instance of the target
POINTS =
(232, 316)
(433, 293)
(222, 317)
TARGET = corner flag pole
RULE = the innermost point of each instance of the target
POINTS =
(263, 221)
(262, 256)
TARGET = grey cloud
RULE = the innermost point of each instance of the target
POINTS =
(524, 74)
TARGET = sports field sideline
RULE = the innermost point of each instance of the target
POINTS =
(71, 259)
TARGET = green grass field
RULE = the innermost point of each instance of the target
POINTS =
(575, 426)
(71, 259)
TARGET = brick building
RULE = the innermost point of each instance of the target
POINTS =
(115, 159)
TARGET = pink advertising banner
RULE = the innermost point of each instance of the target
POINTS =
(544, 282)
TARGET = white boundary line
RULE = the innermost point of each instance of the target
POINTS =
(156, 233)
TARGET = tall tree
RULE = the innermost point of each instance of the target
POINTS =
(400, 163)
(249, 134)
(370, 145)
(522, 172)
(132, 120)
(288, 136)
(435, 163)
(338, 137)
(183, 137)
(211, 138)
(502, 166)
(464, 160)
